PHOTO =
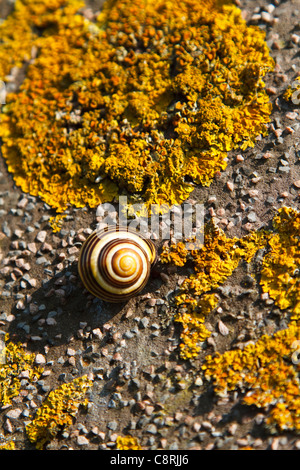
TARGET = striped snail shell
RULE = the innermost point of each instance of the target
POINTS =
(114, 263)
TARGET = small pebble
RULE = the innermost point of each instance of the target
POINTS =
(73, 250)
(270, 8)
(243, 442)
(196, 427)
(13, 414)
(20, 305)
(144, 322)
(230, 185)
(32, 282)
(284, 169)
(233, 428)
(8, 426)
(71, 352)
(252, 217)
(46, 247)
(117, 357)
(5, 229)
(41, 260)
(40, 359)
(97, 333)
(152, 429)
(112, 425)
(151, 302)
(291, 115)
(41, 236)
(295, 38)
(32, 247)
(223, 328)
(297, 183)
(256, 179)
(297, 445)
(35, 338)
(278, 132)
(22, 203)
(20, 262)
(18, 233)
(256, 17)
(82, 441)
(267, 155)
(72, 361)
(266, 16)
(289, 130)
(275, 443)
(248, 227)
(206, 425)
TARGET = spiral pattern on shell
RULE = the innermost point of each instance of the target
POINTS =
(114, 263)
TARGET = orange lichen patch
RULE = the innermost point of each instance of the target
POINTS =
(213, 263)
(57, 411)
(175, 254)
(56, 222)
(15, 362)
(146, 98)
(280, 273)
(18, 32)
(292, 93)
(8, 446)
(216, 260)
(192, 313)
(266, 373)
(128, 443)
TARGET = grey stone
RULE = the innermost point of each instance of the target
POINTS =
(5, 229)
(41, 260)
(144, 322)
(252, 217)
(152, 429)
(112, 425)
(284, 169)
(82, 441)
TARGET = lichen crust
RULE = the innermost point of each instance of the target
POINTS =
(146, 100)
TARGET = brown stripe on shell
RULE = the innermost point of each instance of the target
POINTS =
(84, 266)
(87, 276)
(104, 272)
(149, 242)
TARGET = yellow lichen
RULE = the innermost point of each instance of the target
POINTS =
(213, 263)
(191, 315)
(56, 222)
(8, 446)
(292, 91)
(57, 411)
(175, 254)
(280, 273)
(16, 362)
(151, 95)
(266, 373)
(128, 443)
(216, 260)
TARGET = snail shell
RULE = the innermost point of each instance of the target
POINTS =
(114, 263)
